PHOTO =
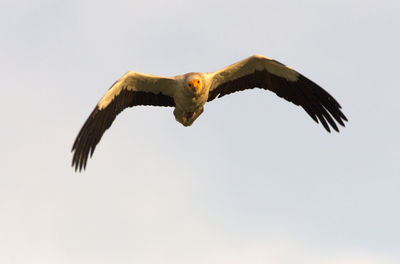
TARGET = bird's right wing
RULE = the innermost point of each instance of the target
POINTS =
(262, 72)
(131, 90)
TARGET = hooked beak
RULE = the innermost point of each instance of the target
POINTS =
(195, 85)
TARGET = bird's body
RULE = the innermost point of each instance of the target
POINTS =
(189, 103)
(189, 93)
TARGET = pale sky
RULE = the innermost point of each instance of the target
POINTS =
(254, 180)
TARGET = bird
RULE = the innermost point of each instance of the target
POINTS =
(189, 92)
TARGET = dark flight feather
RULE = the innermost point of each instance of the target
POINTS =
(317, 102)
(100, 120)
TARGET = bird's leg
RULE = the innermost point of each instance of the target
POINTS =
(188, 115)
(187, 118)
(192, 116)
(180, 116)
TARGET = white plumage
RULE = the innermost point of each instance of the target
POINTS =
(188, 93)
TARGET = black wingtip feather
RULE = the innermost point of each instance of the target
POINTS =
(101, 119)
(317, 102)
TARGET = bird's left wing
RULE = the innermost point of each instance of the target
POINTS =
(262, 72)
(131, 90)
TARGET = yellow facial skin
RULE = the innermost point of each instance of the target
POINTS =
(195, 85)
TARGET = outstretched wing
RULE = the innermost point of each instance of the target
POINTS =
(262, 72)
(132, 89)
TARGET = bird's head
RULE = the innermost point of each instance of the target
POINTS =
(194, 85)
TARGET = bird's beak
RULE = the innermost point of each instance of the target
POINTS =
(195, 85)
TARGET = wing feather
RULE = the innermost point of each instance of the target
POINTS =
(268, 74)
(132, 89)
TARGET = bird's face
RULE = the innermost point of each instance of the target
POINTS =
(195, 85)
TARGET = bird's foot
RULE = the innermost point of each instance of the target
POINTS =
(188, 118)
(189, 115)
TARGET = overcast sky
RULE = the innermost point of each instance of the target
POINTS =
(254, 180)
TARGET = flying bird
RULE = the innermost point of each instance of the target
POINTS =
(189, 92)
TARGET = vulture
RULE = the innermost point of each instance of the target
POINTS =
(189, 92)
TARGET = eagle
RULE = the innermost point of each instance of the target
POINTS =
(189, 92)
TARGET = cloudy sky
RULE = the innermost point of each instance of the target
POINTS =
(254, 180)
